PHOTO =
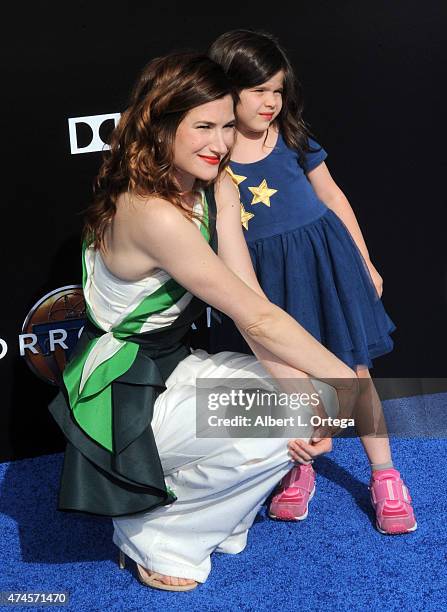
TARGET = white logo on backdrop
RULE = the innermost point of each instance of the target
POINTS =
(94, 122)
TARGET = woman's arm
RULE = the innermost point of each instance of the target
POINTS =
(172, 243)
(234, 253)
(330, 193)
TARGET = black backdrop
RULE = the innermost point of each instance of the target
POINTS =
(373, 76)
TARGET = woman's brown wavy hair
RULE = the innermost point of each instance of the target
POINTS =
(141, 153)
(250, 58)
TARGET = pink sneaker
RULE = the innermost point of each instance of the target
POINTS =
(392, 502)
(296, 489)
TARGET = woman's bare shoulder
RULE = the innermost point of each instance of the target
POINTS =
(143, 204)
(148, 214)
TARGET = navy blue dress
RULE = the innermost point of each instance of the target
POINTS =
(306, 260)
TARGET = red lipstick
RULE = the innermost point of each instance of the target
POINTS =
(210, 159)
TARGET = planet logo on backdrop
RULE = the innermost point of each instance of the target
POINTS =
(51, 330)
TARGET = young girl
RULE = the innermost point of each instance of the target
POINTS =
(308, 252)
(150, 262)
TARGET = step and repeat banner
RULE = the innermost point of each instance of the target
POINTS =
(372, 82)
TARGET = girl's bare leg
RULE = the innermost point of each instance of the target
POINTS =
(371, 421)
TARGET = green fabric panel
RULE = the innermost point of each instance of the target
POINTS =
(205, 224)
(110, 369)
(92, 407)
(94, 416)
(162, 299)
(73, 371)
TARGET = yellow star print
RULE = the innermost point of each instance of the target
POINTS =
(262, 193)
(236, 178)
(245, 216)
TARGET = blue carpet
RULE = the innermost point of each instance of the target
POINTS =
(335, 560)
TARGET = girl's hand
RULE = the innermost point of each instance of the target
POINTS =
(302, 452)
(376, 278)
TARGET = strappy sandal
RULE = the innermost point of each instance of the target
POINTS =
(391, 500)
(153, 582)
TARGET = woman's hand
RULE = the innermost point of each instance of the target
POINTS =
(302, 452)
(376, 278)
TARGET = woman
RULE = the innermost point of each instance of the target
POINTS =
(150, 263)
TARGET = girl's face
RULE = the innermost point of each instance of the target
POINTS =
(203, 138)
(259, 106)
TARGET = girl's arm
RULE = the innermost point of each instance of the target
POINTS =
(330, 193)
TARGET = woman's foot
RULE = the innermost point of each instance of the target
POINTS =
(162, 581)
(391, 501)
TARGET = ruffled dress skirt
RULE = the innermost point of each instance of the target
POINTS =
(317, 274)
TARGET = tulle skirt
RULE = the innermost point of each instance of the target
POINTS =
(317, 274)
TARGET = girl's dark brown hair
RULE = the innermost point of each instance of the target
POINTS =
(251, 58)
(141, 153)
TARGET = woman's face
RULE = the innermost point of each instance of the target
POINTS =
(203, 138)
(259, 106)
